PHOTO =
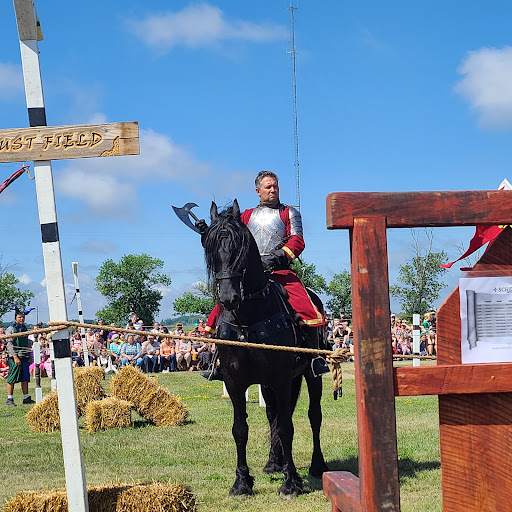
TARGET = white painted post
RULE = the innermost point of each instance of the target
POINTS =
(261, 399)
(74, 265)
(36, 348)
(73, 462)
(416, 338)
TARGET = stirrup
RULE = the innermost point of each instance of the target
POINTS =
(319, 366)
(212, 374)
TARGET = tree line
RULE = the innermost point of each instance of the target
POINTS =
(134, 284)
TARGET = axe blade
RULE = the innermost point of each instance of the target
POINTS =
(185, 213)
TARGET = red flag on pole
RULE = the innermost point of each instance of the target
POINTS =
(14, 177)
(483, 234)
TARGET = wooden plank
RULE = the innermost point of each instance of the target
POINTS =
(415, 209)
(342, 489)
(378, 457)
(63, 142)
(475, 430)
(475, 444)
(453, 379)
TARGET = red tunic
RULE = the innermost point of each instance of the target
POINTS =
(307, 313)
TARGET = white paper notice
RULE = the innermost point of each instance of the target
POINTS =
(486, 319)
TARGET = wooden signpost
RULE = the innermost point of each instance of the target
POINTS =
(64, 142)
(41, 144)
(475, 400)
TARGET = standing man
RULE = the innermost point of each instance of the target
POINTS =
(18, 350)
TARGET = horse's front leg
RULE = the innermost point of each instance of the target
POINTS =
(292, 483)
(318, 465)
(243, 481)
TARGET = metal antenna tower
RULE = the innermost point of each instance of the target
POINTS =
(294, 91)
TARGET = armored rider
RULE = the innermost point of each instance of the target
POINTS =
(277, 230)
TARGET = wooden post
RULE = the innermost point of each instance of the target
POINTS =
(41, 144)
(73, 461)
(475, 400)
(378, 459)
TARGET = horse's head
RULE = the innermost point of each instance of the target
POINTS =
(227, 244)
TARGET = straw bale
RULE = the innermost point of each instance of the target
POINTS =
(88, 386)
(107, 413)
(44, 416)
(156, 496)
(151, 400)
(119, 497)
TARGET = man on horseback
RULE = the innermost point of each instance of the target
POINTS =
(277, 230)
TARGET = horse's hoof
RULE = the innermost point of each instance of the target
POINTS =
(272, 467)
(240, 491)
(242, 486)
(291, 488)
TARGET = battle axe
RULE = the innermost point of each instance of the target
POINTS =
(184, 213)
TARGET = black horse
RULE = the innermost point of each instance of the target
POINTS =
(253, 311)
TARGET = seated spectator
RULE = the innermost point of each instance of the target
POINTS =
(150, 355)
(131, 352)
(76, 348)
(337, 333)
(4, 365)
(347, 331)
(114, 350)
(183, 353)
(133, 320)
(431, 343)
(404, 342)
(202, 328)
(423, 345)
(156, 328)
(205, 355)
(103, 359)
(167, 354)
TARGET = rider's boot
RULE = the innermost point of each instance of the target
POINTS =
(214, 371)
(311, 337)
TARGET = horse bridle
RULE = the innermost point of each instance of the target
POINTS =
(227, 274)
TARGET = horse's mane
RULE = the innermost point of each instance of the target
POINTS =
(227, 225)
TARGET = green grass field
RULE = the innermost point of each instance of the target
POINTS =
(201, 453)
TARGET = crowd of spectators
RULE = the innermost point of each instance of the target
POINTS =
(340, 335)
(149, 351)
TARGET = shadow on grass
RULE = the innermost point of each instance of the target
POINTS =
(407, 468)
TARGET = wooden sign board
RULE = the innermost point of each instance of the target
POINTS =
(63, 142)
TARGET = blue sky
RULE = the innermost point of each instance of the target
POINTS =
(391, 96)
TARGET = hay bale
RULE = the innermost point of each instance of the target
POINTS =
(111, 498)
(151, 400)
(156, 496)
(88, 386)
(44, 416)
(107, 413)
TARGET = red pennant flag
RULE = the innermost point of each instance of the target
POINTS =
(14, 177)
(483, 234)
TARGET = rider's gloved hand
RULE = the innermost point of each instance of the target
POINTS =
(276, 260)
(202, 226)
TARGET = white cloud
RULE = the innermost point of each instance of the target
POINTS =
(43, 283)
(109, 186)
(11, 80)
(25, 279)
(200, 25)
(487, 75)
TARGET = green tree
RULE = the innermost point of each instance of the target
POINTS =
(10, 295)
(420, 277)
(201, 302)
(310, 278)
(131, 285)
(339, 288)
